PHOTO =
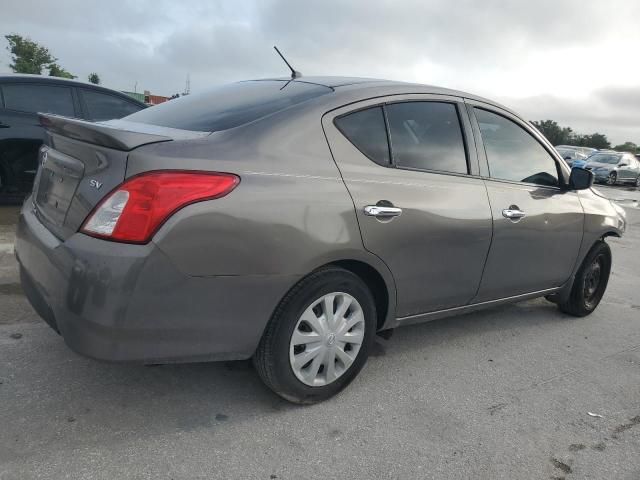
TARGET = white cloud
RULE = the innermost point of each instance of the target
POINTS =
(550, 59)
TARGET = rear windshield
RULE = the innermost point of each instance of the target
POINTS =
(228, 106)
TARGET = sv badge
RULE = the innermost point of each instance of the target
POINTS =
(95, 184)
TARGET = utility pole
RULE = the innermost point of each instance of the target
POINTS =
(187, 87)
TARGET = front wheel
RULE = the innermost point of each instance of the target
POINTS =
(590, 282)
(318, 338)
(612, 178)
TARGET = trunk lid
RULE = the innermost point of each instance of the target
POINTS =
(81, 162)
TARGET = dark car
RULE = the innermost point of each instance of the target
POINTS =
(21, 97)
(292, 220)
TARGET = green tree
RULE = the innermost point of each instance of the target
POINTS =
(627, 147)
(556, 134)
(94, 78)
(28, 56)
(56, 70)
(595, 140)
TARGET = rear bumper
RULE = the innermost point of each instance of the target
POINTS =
(119, 302)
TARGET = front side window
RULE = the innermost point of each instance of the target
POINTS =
(611, 159)
(513, 153)
(102, 106)
(427, 136)
(34, 98)
(366, 130)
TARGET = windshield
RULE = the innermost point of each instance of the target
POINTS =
(229, 106)
(605, 158)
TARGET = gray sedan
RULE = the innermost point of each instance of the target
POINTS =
(613, 167)
(291, 220)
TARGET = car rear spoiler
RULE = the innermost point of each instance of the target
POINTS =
(98, 133)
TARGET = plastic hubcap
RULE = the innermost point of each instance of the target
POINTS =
(326, 339)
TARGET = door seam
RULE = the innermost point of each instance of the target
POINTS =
(355, 212)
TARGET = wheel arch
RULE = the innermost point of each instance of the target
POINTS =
(610, 233)
(383, 297)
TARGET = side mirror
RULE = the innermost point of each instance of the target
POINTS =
(580, 179)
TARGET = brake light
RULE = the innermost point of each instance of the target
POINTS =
(135, 210)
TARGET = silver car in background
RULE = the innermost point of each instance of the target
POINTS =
(614, 167)
(292, 220)
(570, 155)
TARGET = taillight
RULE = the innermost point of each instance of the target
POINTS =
(135, 210)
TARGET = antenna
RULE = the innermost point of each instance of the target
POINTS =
(294, 73)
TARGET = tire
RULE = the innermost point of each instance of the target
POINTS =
(637, 183)
(585, 294)
(612, 178)
(279, 360)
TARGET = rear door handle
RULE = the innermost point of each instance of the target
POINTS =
(382, 212)
(513, 213)
(3, 125)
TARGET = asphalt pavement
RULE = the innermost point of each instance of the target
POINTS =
(520, 391)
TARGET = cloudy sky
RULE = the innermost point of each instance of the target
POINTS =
(577, 62)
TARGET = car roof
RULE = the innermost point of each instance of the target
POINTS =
(379, 87)
(362, 82)
(28, 78)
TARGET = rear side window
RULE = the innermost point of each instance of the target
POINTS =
(229, 106)
(34, 98)
(513, 153)
(427, 136)
(102, 106)
(368, 133)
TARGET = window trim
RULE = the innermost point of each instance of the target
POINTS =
(37, 84)
(561, 172)
(463, 122)
(85, 108)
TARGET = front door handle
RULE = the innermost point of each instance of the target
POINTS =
(513, 213)
(3, 125)
(382, 212)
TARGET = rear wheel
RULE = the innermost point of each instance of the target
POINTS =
(638, 181)
(319, 337)
(590, 282)
(612, 179)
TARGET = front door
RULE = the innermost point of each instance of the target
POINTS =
(537, 223)
(421, 205)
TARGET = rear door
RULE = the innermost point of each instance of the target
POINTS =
(20, 132)
(537, 224)
(421, 206)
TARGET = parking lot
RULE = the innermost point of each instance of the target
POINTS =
(519, 391)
